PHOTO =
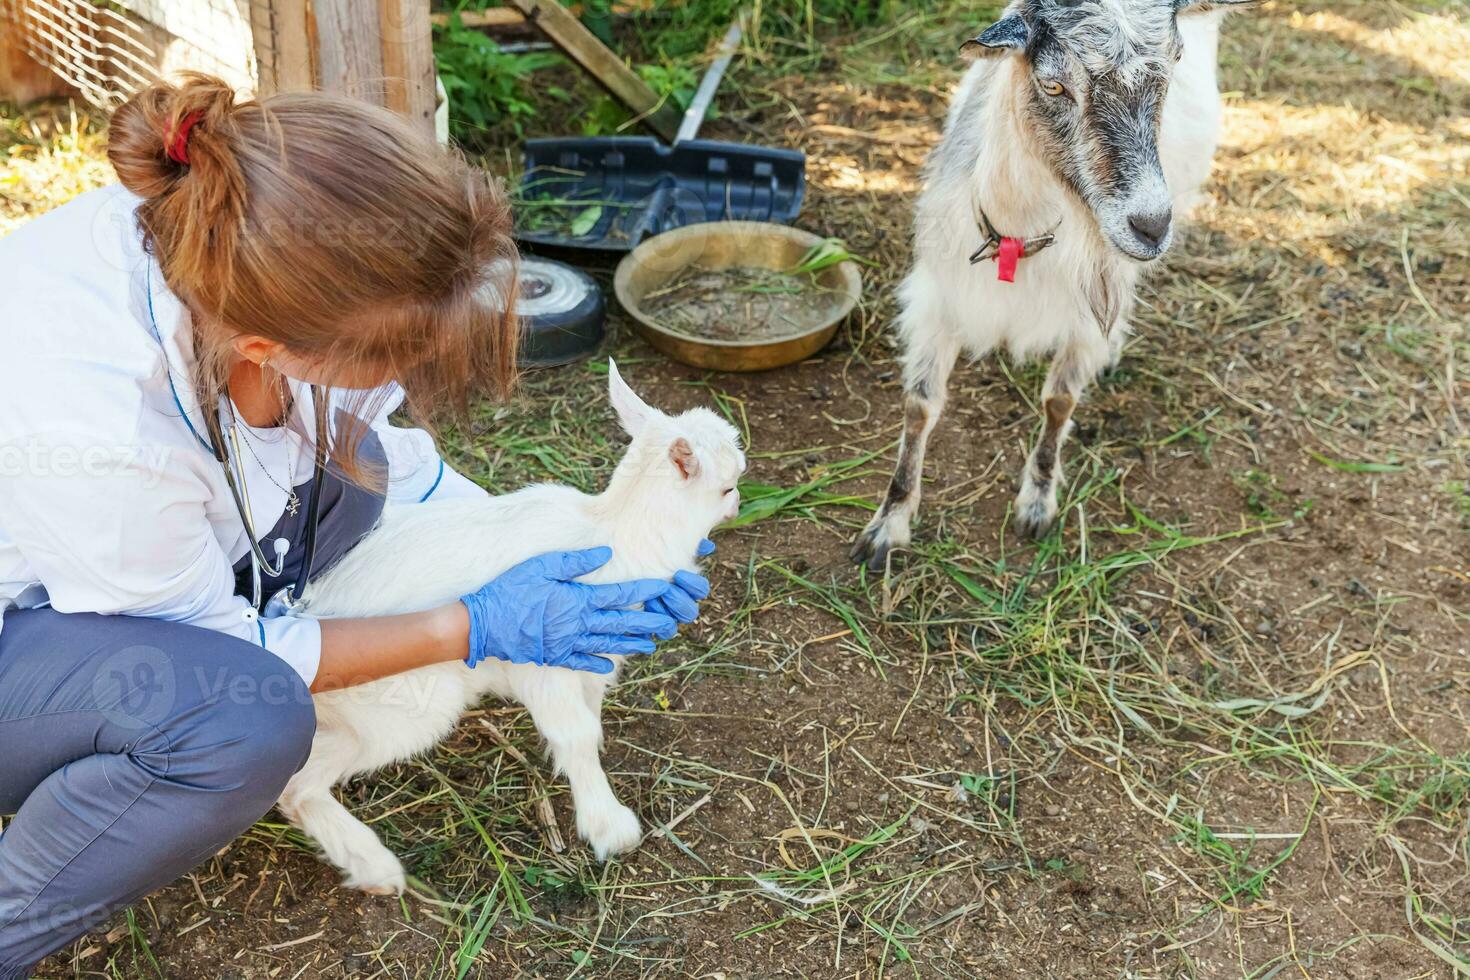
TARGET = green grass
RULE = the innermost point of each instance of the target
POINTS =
(1265, 500)
(1044, 627)
(1459, 493)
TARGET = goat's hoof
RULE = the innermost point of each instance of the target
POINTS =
(1036, 510)
(1037, 528)
(880, 537)
(609, 830)
(384, 888)
(378, 874)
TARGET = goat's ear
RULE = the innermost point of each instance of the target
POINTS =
(1201, 6)
(633, 412)
(684, 459)
(1007, 34)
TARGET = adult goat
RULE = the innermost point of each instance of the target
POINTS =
(1071, 127)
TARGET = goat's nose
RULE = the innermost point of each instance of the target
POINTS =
(1150, 229)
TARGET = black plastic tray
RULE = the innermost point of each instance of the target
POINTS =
(614, 191)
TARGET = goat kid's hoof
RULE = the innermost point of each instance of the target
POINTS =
(878, 539)
(609, 830)
(378, 874)
(1036, 511)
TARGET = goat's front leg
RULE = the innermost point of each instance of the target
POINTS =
(347, 842)
(926, 376)
(573, 731)
(1036, 504)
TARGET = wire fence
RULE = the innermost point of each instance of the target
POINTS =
(109, 50)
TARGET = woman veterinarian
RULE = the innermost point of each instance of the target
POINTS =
(196, 371)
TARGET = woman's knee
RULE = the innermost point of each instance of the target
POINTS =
(273, 721)
(249, 735)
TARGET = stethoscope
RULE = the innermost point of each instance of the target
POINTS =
(239, 489)
(235, 478)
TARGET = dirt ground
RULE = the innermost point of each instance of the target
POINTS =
(1215, 725)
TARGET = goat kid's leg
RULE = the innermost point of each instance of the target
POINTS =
(926, 376)
(573, 732)
(1036, 504)
(348, 843)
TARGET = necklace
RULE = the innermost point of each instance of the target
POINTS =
(293, 500)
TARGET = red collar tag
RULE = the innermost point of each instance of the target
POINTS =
(1007, 257)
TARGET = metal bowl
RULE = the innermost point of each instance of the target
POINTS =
(722, 245)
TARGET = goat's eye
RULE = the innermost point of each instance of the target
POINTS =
(1053, 87)
(728, 491)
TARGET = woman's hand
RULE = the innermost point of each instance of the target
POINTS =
(695, 588)
(535, 613)
(532, 613)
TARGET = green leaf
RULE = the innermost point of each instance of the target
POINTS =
(586, 221)
(1355, 466)
(823, 255)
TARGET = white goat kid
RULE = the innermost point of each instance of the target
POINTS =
(674, 484)
(1090, 119)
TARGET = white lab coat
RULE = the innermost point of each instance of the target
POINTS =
(108, 501)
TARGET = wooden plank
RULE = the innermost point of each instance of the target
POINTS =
(567, 33)
(349, 48)
(490, 17)
(408, 60)
(493, 17)
(283, 52)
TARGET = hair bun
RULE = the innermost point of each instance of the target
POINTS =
(141, 130)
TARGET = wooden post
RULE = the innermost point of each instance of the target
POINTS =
(567, 33)
(380, 52)
(349, 48)
(283, 47)
(408, 60)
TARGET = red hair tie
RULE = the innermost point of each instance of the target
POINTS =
(177, 147)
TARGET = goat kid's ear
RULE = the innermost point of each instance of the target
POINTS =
(1007, 34)
(633, 412)
(684, 459)
(1202, 6)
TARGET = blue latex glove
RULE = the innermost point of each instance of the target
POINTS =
(682, 604)
(535, 614)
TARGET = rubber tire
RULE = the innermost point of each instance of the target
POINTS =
(562, 312)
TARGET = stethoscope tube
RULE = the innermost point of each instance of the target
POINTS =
(313, 500)
(239, 490)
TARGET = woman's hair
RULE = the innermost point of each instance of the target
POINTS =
(332, 227)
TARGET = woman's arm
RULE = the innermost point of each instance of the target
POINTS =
(356, 651)
(535, 612)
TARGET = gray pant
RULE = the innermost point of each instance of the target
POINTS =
(133, 749)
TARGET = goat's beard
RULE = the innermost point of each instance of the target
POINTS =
(1105, 291)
